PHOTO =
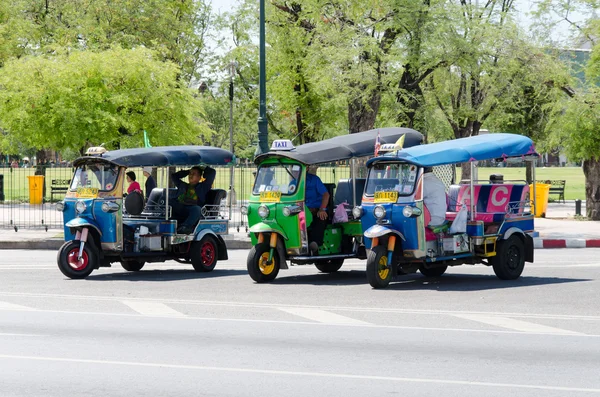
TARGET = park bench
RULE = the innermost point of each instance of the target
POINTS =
(59, 187)
(556, 187)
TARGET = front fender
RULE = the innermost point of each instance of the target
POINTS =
(268, 228)
(222, 247)
(511, 231)
(380, 230)
(82, 222)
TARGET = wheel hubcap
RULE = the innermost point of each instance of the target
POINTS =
(207, 252)
(77, 264)
(265, 267)
(382, 268)
(512, 257)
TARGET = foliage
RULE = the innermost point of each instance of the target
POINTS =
(70, 101)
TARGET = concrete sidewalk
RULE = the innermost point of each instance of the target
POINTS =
(560, 229)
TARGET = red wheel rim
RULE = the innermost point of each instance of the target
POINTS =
(207, 253)
(77, 264)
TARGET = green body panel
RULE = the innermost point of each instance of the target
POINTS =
(332, 241)
(352, 228)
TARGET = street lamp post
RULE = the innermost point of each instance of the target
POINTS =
(231, 196)
(263, 134)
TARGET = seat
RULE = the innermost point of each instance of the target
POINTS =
(134, 203)
(155, 206)
(493, 202)
(330, 188)
(343, 192)
(212, 205)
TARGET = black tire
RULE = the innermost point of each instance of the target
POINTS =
(67, 259)
(433, 272)
(379, 272)
(204, 254)
(509, 261)
(258, 269)
(329, 266)
(132, 266)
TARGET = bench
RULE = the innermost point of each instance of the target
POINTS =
(556, 187)
(59, 187)
(492, 201)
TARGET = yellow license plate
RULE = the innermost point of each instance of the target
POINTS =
(386, 197)
(87, 192)
(270, 197)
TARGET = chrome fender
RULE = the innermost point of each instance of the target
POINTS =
(82, 222)
(511, 231)
(380, 230)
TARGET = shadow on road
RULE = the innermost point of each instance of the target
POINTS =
(162, 275)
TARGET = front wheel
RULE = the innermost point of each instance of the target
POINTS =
(509, 261)
(379, 271)
(132, 266)
(259, 268)
(75, 268)
(329, 266)
(204, 254)
(433, 272)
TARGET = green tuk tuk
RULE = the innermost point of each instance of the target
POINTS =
(278, 217)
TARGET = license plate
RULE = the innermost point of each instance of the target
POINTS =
(270, 197)
(386, 197)
(87, 192)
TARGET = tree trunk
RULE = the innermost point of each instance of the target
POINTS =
(362, 114)
(591, 170)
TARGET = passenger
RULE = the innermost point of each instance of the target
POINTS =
(191, 197)
(434, 197)
(133, 185)
(150, 182)
(316, 198)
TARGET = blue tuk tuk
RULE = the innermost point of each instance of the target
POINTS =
(102, 227)
(498, 221)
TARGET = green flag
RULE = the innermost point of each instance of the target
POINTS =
(146, 140)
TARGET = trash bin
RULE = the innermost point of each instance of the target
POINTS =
(36, 189)
(542, 191)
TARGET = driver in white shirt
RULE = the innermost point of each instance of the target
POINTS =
(434, 197)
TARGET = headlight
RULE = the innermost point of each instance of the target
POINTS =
(263, 211)
(244, 210)
(357, 212)
(291, 210)
(60, 206)
(80, 207)
(379, 212)
(110, 206)
(286, 211)
(411, 212)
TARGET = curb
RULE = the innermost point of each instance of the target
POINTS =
(566, 243)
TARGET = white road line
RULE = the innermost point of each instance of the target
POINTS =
(11, 334)
(516, 325)
(303, 373)
(12, 306)
(322, 316)
(153, 309)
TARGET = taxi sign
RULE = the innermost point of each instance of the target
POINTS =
(282, 145)
(96, 151)
(386, 197)
(270, 197)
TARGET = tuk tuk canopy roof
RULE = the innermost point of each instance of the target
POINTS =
(345, 147)
(463, 150)
(165, 156)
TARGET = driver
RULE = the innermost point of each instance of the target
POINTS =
(317, 198)
(191, 197)
(434, 197)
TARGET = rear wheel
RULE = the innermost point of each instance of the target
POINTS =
(509, 261)
(433, 272)
(204, 254)
(70, 265)
(132, 266)
(259, 267)
(329, 266)
(379, 271)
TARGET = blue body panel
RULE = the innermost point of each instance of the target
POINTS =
(105, 222)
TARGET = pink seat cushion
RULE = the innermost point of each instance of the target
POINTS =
(430, 235)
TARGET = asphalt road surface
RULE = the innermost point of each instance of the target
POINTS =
(169, 331)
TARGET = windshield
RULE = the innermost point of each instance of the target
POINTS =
(96, 176)
(282, 178)
(391, 177)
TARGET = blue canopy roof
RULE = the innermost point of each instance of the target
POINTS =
(475, 148)
(165, 156)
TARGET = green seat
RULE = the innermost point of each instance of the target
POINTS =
(440, 228)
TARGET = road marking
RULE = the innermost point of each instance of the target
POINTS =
(148, 308)
(516, 325)
(302, 373)
(322, 316)
(12, 306)
(11, 334)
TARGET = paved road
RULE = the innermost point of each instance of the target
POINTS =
(170, 331)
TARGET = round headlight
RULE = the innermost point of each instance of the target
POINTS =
(244, 210)
(80, 207)
(379, 212)
(286, 211)
(111, 206)
(407, 211)
(60, 206)
(357, 212)
(263, 211)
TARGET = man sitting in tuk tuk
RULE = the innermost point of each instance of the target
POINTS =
(316, 198)
(191, 197)
(434, 198)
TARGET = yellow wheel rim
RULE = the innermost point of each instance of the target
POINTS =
(382, 268)
(263, 266)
